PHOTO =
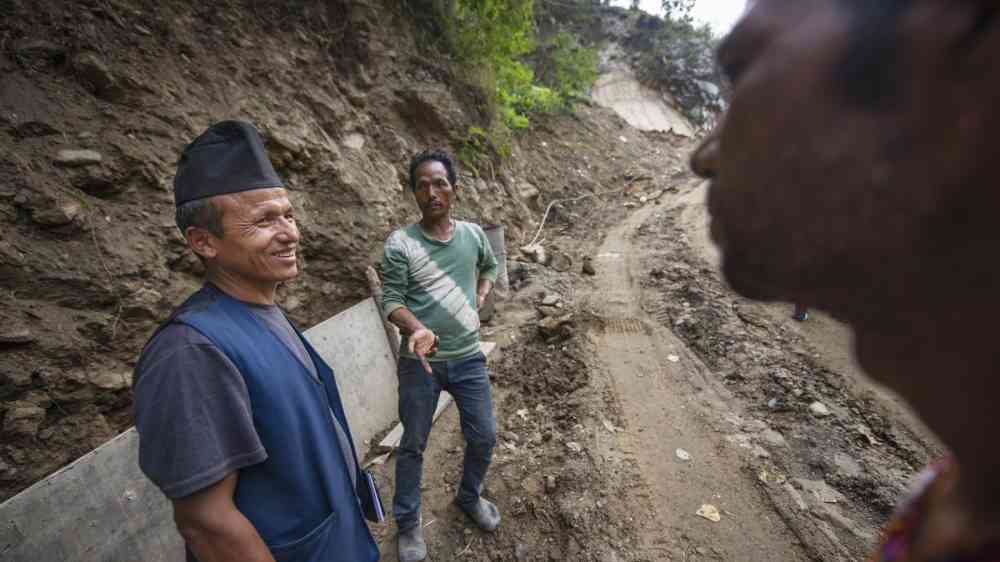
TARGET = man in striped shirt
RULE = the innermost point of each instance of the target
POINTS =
(437, 273)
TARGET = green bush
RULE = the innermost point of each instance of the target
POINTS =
(493, 40)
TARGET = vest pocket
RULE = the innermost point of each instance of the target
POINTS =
(307, 548)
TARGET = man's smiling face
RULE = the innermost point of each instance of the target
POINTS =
(261, 237)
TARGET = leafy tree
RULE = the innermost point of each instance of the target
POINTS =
(678, 9)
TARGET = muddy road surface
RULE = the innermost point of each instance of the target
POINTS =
(648, 413)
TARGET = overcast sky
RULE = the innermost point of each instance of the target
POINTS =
(720, 14)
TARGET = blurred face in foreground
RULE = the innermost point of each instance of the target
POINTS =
(858, 170)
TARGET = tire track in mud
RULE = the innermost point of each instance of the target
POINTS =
(669, 402)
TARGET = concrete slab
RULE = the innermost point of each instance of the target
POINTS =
(355, 345)
(100, 508)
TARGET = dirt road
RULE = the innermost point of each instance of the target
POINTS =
(674, 409)
(661, 392)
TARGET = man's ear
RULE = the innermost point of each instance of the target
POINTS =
(202, 242)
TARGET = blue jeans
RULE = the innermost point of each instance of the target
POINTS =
(467, 381)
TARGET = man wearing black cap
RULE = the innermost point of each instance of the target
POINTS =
(240, 422)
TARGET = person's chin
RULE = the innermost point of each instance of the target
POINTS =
(748, 283)
(287, 274)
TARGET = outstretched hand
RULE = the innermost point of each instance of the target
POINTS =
(423, 343)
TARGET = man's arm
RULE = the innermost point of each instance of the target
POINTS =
(395, 279)
(214, 529)
(482, 291)
(488, 267)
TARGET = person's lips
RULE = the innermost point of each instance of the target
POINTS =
(286, 255)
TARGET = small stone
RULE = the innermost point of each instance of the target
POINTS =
(574, 446)
(551, 299)
(16, 336)
(819, 409)
(550, 483)
(62, 214)
(521, 552)
(110, 380)
(760, 452)
(511, 436)
(547, 311)
(709, 512)
(683, 455)
(588, 266)
(354, 141)
(75, 158)
(673, 358)
(773, 437)
(23, 418)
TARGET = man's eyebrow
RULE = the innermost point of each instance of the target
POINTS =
(271, 208)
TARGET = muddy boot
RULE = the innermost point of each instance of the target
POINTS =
(412, 547)
(485, 514)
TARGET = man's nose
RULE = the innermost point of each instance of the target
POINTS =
(289, 231)
(705, 160)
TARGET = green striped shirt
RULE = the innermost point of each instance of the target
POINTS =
(436, 281)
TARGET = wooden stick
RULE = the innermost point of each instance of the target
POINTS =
(391, 331)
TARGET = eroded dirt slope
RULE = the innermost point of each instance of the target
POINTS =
(98, 98)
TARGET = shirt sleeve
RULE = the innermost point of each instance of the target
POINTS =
(395, 276)
(192, 412)
(487, 263)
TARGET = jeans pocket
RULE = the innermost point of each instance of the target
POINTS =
(307, 547)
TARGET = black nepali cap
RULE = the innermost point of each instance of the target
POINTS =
(229, 157)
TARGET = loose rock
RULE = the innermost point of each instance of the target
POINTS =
(550, 483)
(547, 311)
(551, 299)
(75, 158)
(709, 512)
(111, 380)
(62, 214)
(773, 437)
(819, 409)
(23, 418)
(16, 336)
(588, 266)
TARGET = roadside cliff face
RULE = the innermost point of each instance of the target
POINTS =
(98, 99)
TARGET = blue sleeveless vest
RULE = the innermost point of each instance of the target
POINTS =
(301, 499)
